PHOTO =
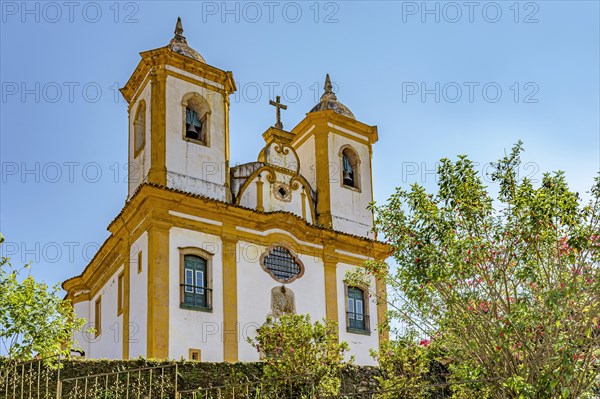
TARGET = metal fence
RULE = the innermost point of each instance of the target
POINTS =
(38, 378)
(142, 383)
(42, 379)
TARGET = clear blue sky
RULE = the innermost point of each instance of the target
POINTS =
(543, 56)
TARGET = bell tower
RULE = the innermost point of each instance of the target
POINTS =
(336, 151)
(179, 121)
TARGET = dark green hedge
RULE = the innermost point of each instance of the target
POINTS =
(191, 375)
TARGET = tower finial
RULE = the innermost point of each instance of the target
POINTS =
(328, 87)
(178, 27)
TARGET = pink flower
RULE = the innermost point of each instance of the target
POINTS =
(424, 342)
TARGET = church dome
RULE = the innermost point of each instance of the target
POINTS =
(330, 101)
(178, 44)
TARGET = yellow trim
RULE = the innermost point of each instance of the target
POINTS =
(140, 108)
(381, 296)
(158, 292)
(301, 138)
(322, 118)
(139, 91)
(271, 176)
(158, 130)
(196, 82)
(331, 297)
(259, 195)
(196, 352)
(140, 212)
(230, 319)
(164, 56)
(126, 298)
(139, 262)
(148, 210)
(322, 174)
(303, 196)
(273, 134)
(226, 107)
(98, 316)
(372, 191)
(79, 298)
(120, 289)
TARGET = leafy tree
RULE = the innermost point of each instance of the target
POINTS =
(299, 356)
(34, 321)
(509, 286)
(404, 367)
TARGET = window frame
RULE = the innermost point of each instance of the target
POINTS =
(207, 257)
(294, 257)
(120, 292)
(195, 351)
(141, 108)
(98, 316)
(366, 319)
(139, 262)
(355, 168)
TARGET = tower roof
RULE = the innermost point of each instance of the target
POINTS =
(330, 101)
(178, 44)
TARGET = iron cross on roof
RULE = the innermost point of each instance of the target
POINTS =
(277, 104)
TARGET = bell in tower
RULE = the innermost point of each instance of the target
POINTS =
(193, 125)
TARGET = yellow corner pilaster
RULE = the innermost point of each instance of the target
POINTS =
(322, 174)
(230, 308)
(158, 123)
(381, 296)
(126, 296)
(158, 292)
(227, 145)
(331, 297)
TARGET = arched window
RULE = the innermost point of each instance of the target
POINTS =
(195, 282)
(350, 168)
(196, 118)
(139, 128)
(356, 314)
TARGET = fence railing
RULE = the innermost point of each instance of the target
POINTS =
(141, 383)
(34, 379)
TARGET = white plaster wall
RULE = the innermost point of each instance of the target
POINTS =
(109, 344)
(359, 344)
(192, 328)
(138, 298)
(349, 207)
(254, 293)
(249, 197)
(271, 203)
(81, 338)
(193, 167)
(306, 154)
(139, 166)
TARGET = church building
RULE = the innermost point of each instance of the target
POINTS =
(203, 251)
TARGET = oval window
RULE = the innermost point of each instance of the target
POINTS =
(283, 265)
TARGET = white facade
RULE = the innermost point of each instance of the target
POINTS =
(209, 246)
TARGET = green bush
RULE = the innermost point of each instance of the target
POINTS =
(299, 356)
